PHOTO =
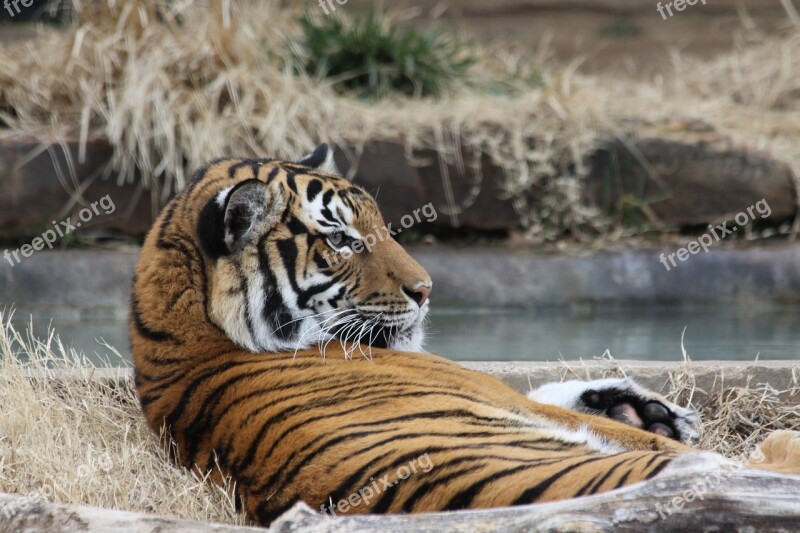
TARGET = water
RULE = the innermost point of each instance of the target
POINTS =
(650, 334)
(507, 335)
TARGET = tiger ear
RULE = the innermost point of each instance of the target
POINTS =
(245, 208)
(228, 220)
(321, 159)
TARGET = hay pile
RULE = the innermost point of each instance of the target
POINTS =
(175, 85)
(82, 441)
(85, 442)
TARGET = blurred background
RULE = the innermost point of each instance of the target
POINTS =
(577, 155)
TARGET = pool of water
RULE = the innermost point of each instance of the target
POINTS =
(508, 335)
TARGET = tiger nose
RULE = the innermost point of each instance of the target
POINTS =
(419, 294)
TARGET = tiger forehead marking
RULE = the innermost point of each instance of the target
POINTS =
(276, 235)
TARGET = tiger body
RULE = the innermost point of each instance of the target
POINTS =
(300, 378)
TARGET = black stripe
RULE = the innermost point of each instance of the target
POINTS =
(287, 248)
(426, 487)
(291, 182)
(450, 435)
(465, 497)
(622, 480)
(274, 402)
(296, 227)
(275, 313)
(272, 173)
(203, 421)
(168, 214)
(313, 189)
(658, 468)
(334, 400)
(248, 318)
(597, 481)
(143, 330)
(190, 388)
(252, 163)
(404, 460)
(324, 445)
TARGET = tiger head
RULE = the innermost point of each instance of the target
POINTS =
(297, 256)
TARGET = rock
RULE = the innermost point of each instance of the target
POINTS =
(688, 178)
(383, 170)
(38, 189)
(403, 186)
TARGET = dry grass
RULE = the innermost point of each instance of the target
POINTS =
(81, 440)
(171, 90)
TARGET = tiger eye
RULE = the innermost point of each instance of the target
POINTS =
(336, 238)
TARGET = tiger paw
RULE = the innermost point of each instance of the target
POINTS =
(623, 400)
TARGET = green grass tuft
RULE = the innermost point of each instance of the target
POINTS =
(371, 57)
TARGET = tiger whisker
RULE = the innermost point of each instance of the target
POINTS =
(345, 335)
(303, 318)
(373, 330)
(342, 322)
(367, 327)
(318, 328)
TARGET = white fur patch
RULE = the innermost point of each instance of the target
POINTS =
(223, 195)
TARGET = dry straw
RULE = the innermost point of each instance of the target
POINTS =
(68, 437)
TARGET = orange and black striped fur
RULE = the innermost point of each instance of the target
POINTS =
(235, 302)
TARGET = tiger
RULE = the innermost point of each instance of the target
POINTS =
(269, 352)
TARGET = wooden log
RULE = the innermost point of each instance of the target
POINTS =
(21, 513)
(697, 493)
(737, 499)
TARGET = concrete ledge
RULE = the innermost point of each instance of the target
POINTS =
(84, 279)
(477, 276)
(496, 276)
(710, 377)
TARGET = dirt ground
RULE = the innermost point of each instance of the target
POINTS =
(617, 37)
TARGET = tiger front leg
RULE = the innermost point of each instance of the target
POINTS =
(625, 401)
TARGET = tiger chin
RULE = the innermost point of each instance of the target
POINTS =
(247, 341)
